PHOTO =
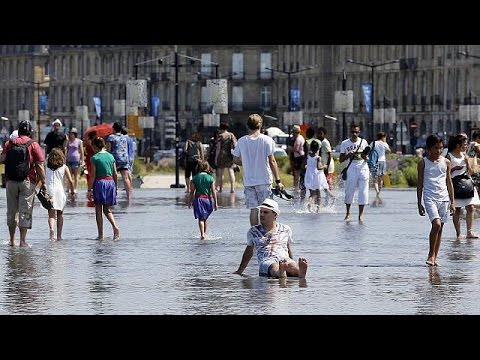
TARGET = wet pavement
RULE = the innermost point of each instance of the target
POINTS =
(160, 266)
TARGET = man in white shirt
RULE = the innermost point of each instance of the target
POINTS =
(254, 152)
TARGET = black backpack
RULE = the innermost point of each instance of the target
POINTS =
(17, 162)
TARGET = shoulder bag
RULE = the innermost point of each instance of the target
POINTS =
(345, 169)
(463, 186)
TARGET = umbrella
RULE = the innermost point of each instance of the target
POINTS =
(102, 130)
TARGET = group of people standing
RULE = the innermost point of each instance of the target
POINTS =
(61, 164)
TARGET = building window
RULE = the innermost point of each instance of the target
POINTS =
(237, 66)
(265, 62)
(266, 98)
(237, 98)
(206, 67)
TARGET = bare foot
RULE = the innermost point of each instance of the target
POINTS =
(59, 238)
(116, 234)
(471, 235)
(430, 262)
(202, 237)
(24, 244)
(302, 267)
(99, 238)
(282, 269)
(347, 217)
(12, 243)
(459, 237)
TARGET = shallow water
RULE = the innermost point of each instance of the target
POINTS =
(160, 266)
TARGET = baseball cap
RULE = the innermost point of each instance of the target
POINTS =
(296, 128)
(270, 204)
(57, 121)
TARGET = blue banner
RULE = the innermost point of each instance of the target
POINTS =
(43, 104)
(295, 99)
(155, 105)
(367, 96)
(97, 100)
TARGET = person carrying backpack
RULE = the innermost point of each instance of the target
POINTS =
(23, 159)
(377, 160)
(193, 154)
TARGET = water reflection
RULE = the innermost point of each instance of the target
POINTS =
(20, 281)
(103, 276)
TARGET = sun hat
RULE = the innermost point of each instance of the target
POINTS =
(57, 121)
(74, 130)
(270, 204)
(296, 128)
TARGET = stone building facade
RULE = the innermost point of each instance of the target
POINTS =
(432, 87)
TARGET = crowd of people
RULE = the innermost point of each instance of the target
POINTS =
(57, 172)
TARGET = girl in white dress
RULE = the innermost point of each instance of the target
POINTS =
(315, 179)
(55, 174)
(457, 147)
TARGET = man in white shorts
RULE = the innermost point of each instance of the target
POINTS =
(254, 152)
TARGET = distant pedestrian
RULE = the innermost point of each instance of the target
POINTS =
(89, 152)
(103, 186)
(254, 152)
(117, 145)
(435, 187)
(457, 146)
(315, 179)
(55, 138)
(193, 151)
(75, 157)
(203, 196)
(55, 177)
(358, 173)
(381, 147)
(21, 192)
(326, 154)
(131, 154)
(226, 142)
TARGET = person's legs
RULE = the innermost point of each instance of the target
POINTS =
(456, 222)
(109, 215)
(469, 219)
(201, 226)
(254, 217)
(347, 214)
(433, 240)
(360, 212)
(232, 179)
(74, 171)
(126, 181)
(11, 231)
(51, 223)
(23, 237)
(59, 224)
(437, 243)
(99, 219)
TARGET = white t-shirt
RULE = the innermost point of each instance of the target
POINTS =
(254, 152)
(381, 148)
(270, 244)
(327, 148)
(357, 147)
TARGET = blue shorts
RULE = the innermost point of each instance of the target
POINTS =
(73, 164)
(104, 192)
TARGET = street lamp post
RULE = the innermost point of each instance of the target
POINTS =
(372, 99)
(176, 65)
(37, 110)
(102, 87)
(344, 120)
(467, 55)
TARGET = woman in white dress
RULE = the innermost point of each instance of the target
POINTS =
(55, 175)
(315, 179)
(457, 147)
